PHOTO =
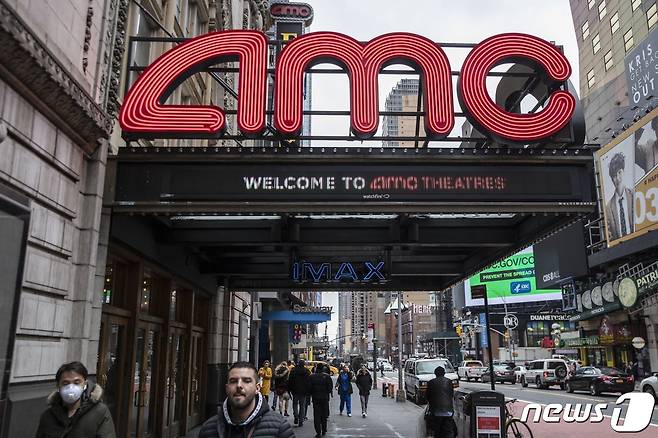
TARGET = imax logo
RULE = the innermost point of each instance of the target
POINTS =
(520, 287)
(638, 414)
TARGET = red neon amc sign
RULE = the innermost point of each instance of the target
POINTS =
(144, 113)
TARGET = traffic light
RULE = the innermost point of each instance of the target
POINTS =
(506, 335)
(459, 330)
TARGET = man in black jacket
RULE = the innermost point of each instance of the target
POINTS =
(321, 389)
(439, 405)
(298, 383)
(245, 412)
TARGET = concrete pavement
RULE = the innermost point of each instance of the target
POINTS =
(386, 419)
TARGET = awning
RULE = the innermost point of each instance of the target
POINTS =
(289, 315)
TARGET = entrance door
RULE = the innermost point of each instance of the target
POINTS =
(112, 363)
(143, 418)
(196, 378)
(175, 382)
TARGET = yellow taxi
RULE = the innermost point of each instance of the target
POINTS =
(312, 363)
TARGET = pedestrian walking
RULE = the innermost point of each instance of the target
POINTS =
(438, 414)
(364, 383)
(245, 412)
(75, 409)
(298, 383)
(344, 387)
(281, 393)
(381, 368)
(321, 391)
(265, 374)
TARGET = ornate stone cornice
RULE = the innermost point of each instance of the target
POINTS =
(29, 62)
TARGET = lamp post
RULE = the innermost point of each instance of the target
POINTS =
(374, 362)
(401, 395)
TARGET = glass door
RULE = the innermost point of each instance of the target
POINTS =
(112, 363)
(196, 379)
(143, 419)
(175, 382)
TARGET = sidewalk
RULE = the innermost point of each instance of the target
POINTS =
(386, 419)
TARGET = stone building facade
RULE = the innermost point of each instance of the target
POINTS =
(92, 286)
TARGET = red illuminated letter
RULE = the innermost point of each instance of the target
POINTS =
(363, 63)
(143, 110)
(486, 115)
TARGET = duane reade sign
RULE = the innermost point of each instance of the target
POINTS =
(642, 69)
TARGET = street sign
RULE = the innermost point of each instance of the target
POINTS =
(478, 292)
(511, 321)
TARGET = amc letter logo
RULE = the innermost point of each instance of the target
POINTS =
(638, 414)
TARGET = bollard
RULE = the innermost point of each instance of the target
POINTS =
(391, 390)
(384, 388)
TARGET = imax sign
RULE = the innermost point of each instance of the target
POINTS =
(362, 272)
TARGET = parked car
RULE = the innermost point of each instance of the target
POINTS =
(418, 372)
(502, 374)
(600, 379)
(545, 373)
(471, 369)
(519, 371)
(650, 385)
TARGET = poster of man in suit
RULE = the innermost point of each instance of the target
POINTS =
(628, 172)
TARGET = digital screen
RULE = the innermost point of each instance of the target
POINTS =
(511, 280)
(336, 182)
(561, 256)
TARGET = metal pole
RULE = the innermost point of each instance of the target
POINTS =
(374, 362)
(401, 396)
(488, 335)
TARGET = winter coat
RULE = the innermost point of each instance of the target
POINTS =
(281, 380)
(322, 387)
(439, 395)
(298, 381)
(344, 383)
(92, 419)
(266, 375)
(264, 423)
(364, 383)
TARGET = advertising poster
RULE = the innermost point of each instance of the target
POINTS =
(511, 280)
(488, 421)
(628, 174)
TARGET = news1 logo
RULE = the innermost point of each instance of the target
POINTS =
(520, 287)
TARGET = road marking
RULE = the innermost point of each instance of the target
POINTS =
(561, 394)
(397, 434)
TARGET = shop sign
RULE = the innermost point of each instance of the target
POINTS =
(647, 281)
(292, 12)
(549, 317)
(588, 341)
(597, 311)
(144, 111)
(304, 272)
(311, 309)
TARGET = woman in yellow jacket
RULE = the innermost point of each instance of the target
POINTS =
(265, 373)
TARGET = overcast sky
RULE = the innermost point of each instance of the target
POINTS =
(466, 21)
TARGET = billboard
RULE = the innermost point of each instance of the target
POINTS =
(628, 175)
(642, 70)
(561, 257)
(511, 280)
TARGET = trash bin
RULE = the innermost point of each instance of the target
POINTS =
(479, 414)
(384, 389)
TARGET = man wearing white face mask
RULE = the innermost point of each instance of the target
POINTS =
(75, 409)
